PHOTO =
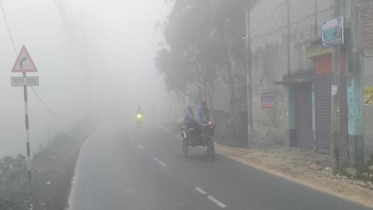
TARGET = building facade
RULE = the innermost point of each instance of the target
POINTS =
(290, 75)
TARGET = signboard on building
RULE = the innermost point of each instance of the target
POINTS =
(366, 16)
(267, 98)
(333, 33)
(368, 95)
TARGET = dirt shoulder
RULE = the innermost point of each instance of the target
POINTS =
(305, 167)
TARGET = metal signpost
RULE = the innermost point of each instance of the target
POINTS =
(23, 65)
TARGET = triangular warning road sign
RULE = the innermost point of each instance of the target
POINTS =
(24, 62)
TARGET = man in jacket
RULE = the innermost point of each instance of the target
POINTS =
(190, 121)
(203, 112)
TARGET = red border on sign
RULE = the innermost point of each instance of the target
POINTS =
(34, 69)
(268, 105)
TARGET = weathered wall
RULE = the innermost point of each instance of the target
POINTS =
(302, 28)
(269, 124)
(270, 54)
(365, 23)
(269, 64)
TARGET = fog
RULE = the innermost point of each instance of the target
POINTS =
(94, 58)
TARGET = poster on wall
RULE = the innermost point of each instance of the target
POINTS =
(368, 95)
(267, 98)
(333, 33)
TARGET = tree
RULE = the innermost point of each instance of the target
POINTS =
(205, 45)
(191, 56)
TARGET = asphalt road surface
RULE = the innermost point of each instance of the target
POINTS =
(123, 167)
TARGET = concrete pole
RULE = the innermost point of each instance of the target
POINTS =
(355, 94)
(249, 76)
(288, 38)
(334, 151)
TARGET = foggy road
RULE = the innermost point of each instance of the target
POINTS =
(123, 167)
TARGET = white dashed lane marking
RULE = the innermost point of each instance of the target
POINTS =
(216, 201)
(201, 191)
(140, 147)
(160, 162)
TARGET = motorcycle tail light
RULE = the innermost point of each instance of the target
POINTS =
(213, 126)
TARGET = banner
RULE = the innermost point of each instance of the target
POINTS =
(267, 98)
(333, 33)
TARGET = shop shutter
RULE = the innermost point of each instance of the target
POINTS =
(303, 113)
(323, 85)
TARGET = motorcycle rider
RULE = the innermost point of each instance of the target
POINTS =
(138, 115)
(203, 112)
(189, 117)
(138, 111)
(190, 120)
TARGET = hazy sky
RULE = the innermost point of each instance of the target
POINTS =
(117, 44)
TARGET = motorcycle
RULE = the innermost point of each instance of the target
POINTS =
(204, 139)
(139, 119)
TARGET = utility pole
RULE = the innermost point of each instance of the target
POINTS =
(356, 155)
(249, 71)
(336, 56)
(288, 37)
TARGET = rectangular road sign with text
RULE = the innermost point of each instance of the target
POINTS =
(25, 81)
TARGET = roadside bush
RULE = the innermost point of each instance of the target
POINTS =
(53, 170)
(14, 187)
